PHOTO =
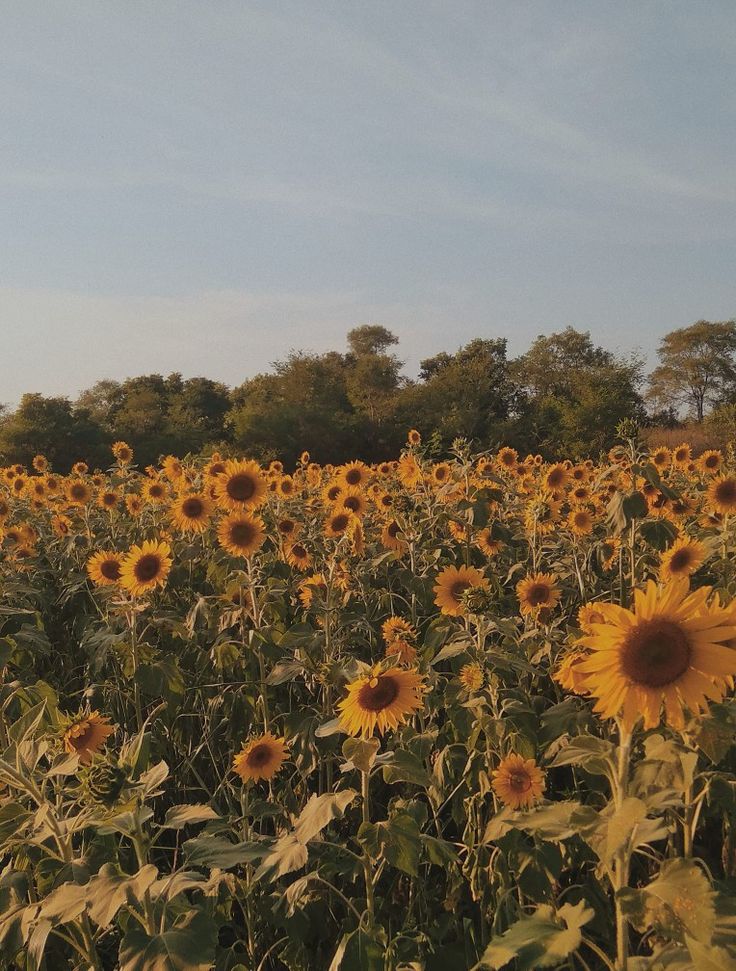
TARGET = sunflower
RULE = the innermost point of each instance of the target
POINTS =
(722, 494)
(240, 486)
(518, 782)
(86, 735)
(145, 567)
(608, 551)
(78, 492)
(661, 457)
(108, 499)
(414, 437)
(487, 544)
(670, 650)
(61, 525)
(399, 636)
(80, 468)
(332, 492)
(538, 592)
(40, 463)
(681, 455)
(409, 471)
(337, 523)
(710, 462)
(241, 534)
(134, 504)
(354, 501)
(104, 568)
(297, 555)
(440, 473)
(315, 583)
(122, 452)
(567, 672)
(288, 529)
(4, 509)
(379, 699)
(589, 614)
(155, 491)
(471, 677)
(507, 458)
(684, 557)
(172, 468)
(542, 513)
(452, 583)
(580, 522)
(261, 758)
(191, 513)
(556, 478)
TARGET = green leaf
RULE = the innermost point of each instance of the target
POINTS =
(403, 766)
(361, 752)
(108, 891)
(397, 840)
(179, 816)
(709, 958)
(188, 945)
(688, 900)
(286, 855)
(320, 811)
(594, 754)
(65, 903)
(541, 940)
(357, 951)
(218, 852)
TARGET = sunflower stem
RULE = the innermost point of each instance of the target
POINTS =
(367, 863)
(622, 860)
(134, 646)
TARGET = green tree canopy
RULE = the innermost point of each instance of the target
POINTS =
(697, 367)
(55, 428)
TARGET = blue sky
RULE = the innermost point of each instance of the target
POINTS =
(201, 187)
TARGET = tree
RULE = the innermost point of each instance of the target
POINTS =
(574, 394)
(468, 394)
(370, 339)
(697, 366)
(54, 428)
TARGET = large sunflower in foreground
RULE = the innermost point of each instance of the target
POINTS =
(241, 486)
(380, 699)
(261, 758)
(518, 782)
(670, 651)
(452, 583)
(103, 568)
(241, 534)
(145, 567)
(86, 735)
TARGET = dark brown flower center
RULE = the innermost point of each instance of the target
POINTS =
(110, 569)
(458, 589)
(192, 507)
(216, 468)
(725, 491)
(156, 491)
(242, 534)
(353, 476)
(681, 560)
(286, 526)
(538, 594)
(378, 694)
(520, 781)
(259, 755)
(147, 567)
(241, 487)
(555, 477)
(78, 491)
(712, 462)
(352, 503)
(298, 551)
(340, 522)
(656, 653)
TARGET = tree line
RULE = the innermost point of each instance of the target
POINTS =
(564, 396)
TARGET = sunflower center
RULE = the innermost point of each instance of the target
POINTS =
(681, 560)
(147, 567)
(298, 551)
(242, 534)
(110, 569)
(656, 653)
(352, 503)
(378, 693)
(156, 491)
(711, 462)
(340, 522)
(353, 477)
(287, 526)
(726, 491)
(538, 594)
(520, 781)
(78, 492)
(241, 487)
(192, 508)
(259, 756)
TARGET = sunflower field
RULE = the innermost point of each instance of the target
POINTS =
(474, 713)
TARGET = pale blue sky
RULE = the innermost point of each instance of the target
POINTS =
(201, 186)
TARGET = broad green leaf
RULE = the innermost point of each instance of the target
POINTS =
(397, 840)
(65, 903)
(686, 900)
(361, 752)
(320, 811)
(403, 766)
(541, 940)
(188, 945)
(108, 891)
(179, 816)
(217, 851)
(594, 754)
(286, 855)
(357, 951)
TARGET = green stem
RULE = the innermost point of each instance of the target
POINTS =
(367, 863)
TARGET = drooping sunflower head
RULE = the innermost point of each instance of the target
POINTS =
(241, 534)
(145, 567)
(392, 536)
(380, 699)
(314, 584)
(567, 673)
(86, 735)
(538, 592)
(451, 586)
(241, 485)
(671, 651)
(486, 543)
(518, 782)
(260, 758)
(104, 568)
